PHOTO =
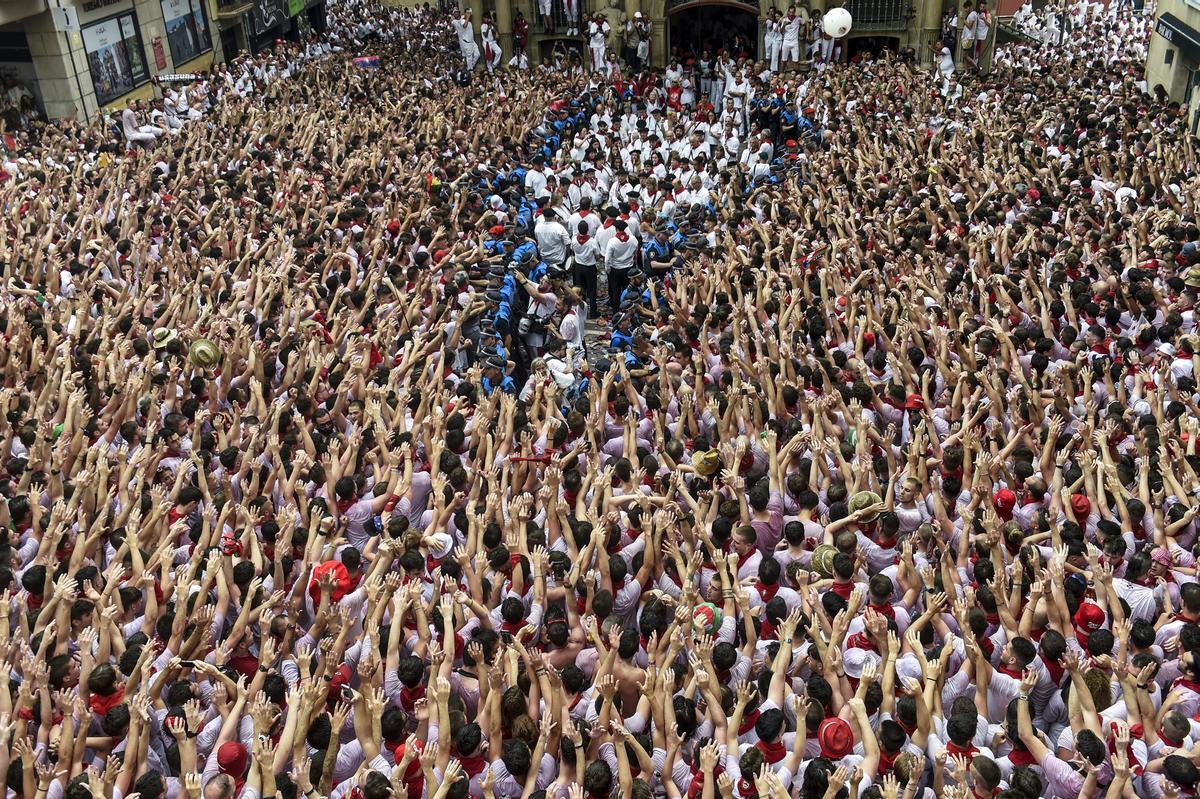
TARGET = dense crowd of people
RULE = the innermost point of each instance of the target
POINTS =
(881, 481)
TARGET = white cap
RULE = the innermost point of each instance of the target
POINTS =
(637, 14)
(908, 666)
(853, 661)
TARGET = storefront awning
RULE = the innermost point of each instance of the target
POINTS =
(1182, 36)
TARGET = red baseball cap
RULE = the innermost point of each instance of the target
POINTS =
(1081, 506)
(1004, 501)
(340, 678)
(1088, 618)
(232, 759)
(836, 738)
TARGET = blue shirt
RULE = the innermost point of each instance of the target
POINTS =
(526, 247)
(506, 385)
(631, 293)
(654, 251)
(621, 341)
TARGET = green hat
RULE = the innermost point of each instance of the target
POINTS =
(706, 618)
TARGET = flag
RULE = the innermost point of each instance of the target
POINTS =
(368, 61)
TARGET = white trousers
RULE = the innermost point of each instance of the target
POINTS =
(790, 50)
(771, 44)
(470, 52)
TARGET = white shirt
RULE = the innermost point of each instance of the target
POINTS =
(465, 30)
(552, 240)
(535, 184)
(620, 254)
(791, 30)
(586, 251)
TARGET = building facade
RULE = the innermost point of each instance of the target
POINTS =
(78, 56)
(1173, 60)
(687, 25)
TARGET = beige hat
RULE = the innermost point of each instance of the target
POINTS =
(706, 463)
(163, 336)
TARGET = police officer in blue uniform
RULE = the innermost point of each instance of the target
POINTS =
(638, 359)
(622, 335)
(656, 253)
(494, 377)
(636, 296)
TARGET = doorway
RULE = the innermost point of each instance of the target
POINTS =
(871, 47)
(696, 27)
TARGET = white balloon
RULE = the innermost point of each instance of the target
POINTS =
(837, 22)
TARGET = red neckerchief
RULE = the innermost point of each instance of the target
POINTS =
(861, 641)
(967, 752)
(1021, 757)
(767, 592)
(409, 697)
(772, 752)
(414, 778)
(749, 720)
(1135, 731)
(887, 762)
(473, 766)
(766, 631)
(1184, 682)
(844, 590)
(582, 239)
(883, 610)
(622, 236)
(1055, 668)
(101, 704)
(1010, 672)
(696, 789)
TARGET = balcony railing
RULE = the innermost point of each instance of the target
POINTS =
(876, 15)
(749, 5)
(227, 9)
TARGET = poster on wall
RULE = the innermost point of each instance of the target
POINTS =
(187, 29)
(115, 59)
(295, 7)
(268, 14)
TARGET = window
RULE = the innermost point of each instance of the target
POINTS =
(187, 29)
(115, 57)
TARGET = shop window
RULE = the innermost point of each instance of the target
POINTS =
(115, 56)
(187, 29)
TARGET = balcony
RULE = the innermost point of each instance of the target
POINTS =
(879, 15)
(229, 9)
(745, 5)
